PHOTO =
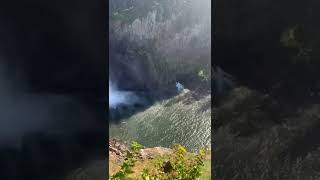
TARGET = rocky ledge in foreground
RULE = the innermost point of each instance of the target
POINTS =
(150, 158)
(118, 151)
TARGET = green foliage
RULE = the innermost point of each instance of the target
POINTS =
(145, 174)
(204, 76)
(135, 146)
(128, 164)
(126, 169)
(183, 165)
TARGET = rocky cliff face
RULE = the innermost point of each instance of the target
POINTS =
(118, 150)
(153, 45)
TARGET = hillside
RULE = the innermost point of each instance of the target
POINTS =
(184, 119)
(153, 46)
(154, 159)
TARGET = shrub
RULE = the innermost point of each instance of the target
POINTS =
(180, 165)
(128, 164)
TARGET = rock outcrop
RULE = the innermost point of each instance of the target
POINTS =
(118, 151)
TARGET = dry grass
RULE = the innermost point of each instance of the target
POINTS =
(155, 163)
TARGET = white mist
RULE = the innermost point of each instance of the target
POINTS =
(118, 97)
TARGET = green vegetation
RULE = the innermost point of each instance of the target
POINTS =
(180, 165)
(161, 42)
(127, 165)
